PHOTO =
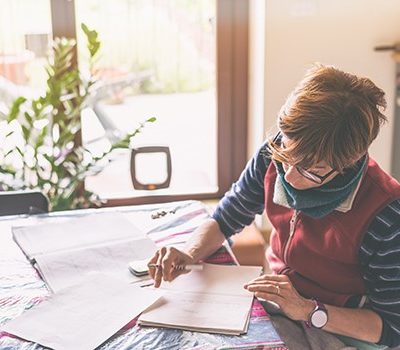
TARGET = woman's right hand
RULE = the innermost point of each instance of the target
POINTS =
(166, 259)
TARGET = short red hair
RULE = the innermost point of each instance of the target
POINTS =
(330, 116)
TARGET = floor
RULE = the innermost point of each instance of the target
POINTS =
(185, 122)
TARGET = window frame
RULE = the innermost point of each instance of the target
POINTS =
(232, 28)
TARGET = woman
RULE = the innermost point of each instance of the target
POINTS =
(334, 248)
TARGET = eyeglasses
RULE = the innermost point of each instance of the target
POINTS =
(309, 175)
(318, 179)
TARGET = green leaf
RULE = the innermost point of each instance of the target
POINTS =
(9, 152)
(10, 171)
(85, 29)
(20, 151)
(15, 108)
(26, 132)
(40, 138)
(50, 159)
(92, 38)
(28, 118)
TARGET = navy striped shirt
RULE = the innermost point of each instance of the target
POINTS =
(379, 254)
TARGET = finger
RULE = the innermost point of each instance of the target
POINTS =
(267, 288)
(263, 282)
(282, 285)
(261, 278)
(269, 297)
(175, 273)
(277, 278)
(158, 269)
(270, 278)
(153, 260)
(168, 263)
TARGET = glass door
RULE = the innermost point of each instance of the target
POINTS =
(158, 59)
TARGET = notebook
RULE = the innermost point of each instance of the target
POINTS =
(212, 300)
(64, 251)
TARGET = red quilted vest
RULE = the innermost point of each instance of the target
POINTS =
(320, 256)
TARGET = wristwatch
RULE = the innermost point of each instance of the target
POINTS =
(318, 318)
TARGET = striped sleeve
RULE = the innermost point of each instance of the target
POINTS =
(245, 199)
(380, 261)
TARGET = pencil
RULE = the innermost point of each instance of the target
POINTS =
(196, 267)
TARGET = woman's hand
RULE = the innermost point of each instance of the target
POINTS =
(167, 259)
(279, 289)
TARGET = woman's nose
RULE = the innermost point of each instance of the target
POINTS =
(291, 173)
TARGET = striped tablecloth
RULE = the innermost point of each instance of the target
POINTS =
(166, 224)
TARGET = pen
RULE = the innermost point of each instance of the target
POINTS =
(180, 267)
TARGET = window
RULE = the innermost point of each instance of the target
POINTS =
(163, 65)
(182, 61)
(24, 43)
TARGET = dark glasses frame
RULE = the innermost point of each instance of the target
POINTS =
(309, 175)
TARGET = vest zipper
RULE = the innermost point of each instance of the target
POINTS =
(293, 222)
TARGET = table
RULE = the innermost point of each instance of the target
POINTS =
(166, 224)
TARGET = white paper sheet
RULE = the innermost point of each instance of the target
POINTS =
(62, 269)
(84, 316)
(77, 232)
(212, 300)
(216, 279)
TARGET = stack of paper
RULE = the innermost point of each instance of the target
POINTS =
(65, 252)
(82, 317)
(212, 301)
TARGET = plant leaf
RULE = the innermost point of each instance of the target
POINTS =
(15, 108)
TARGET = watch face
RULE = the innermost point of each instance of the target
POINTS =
(319, 318)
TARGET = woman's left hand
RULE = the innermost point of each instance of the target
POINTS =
(279, 289)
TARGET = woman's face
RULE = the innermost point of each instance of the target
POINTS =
(302, 179)
(297, 180)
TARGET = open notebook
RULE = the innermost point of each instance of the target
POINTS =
(212, 300)
(64, 252)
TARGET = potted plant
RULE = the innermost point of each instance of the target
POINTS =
(41, 146)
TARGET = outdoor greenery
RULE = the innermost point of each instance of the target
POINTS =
(41, 146)
(173, 39)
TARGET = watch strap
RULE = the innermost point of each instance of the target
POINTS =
(318, 306)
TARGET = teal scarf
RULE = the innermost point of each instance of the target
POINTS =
(320, 201)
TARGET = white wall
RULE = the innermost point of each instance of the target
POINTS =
(256, 89)
(338, 32)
